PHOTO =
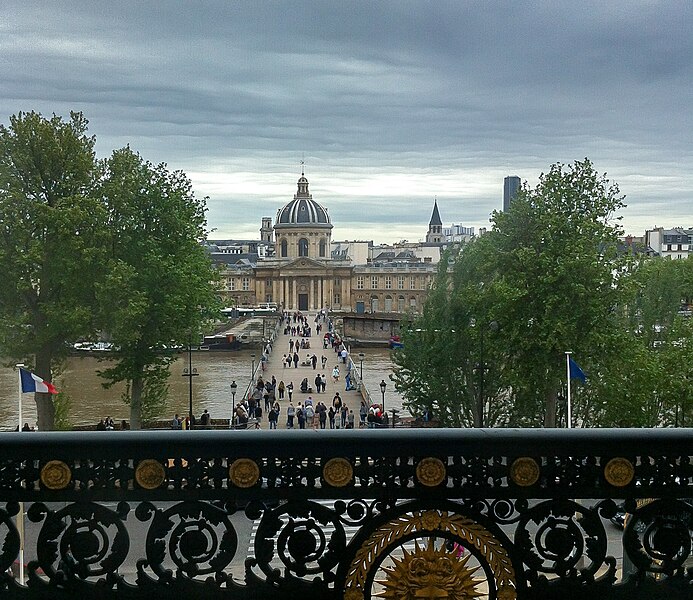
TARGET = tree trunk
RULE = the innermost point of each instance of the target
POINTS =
(45, 410)
(136, 404)
(551, 401)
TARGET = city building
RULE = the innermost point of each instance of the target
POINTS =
(296, 266)
(511, 185)
(673, 243)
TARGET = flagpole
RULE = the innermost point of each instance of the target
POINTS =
(20, 514)
(570, 405)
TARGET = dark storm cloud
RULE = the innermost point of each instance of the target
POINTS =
(392, 102)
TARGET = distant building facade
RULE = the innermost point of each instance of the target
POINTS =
(673, 243)
(296, 266)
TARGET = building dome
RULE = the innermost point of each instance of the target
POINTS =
(303, 210)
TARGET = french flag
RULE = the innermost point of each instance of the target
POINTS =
(33, 383)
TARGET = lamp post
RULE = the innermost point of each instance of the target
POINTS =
(252, 367)
(189, 372)
(383, 385)
(234, 387)
(361, 357)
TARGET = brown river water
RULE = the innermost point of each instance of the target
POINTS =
(90, 401)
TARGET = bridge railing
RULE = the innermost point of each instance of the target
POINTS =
(499, 514)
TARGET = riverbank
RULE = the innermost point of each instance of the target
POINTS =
(89, 401)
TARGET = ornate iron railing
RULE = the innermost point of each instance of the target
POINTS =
(348, 514)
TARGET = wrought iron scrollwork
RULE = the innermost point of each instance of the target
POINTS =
(187, 541)
(80, 542)
(563, 538)
(9, 536)
(658, 535)
(300, 539)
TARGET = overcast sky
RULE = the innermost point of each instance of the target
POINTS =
(391, 103)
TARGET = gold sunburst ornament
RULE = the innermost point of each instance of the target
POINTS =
(430, 573)
(427, 523)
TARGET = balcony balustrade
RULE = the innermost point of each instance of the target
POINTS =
(500, 514)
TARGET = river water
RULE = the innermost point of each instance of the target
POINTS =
(90, 401)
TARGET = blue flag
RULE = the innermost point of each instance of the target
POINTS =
(576, 372)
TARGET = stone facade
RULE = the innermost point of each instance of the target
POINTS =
(301, 272)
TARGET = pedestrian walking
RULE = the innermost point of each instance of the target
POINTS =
(290, 414)
(318, 383)
(272, 418)
(335, 374)
(281, 387)
(290, 390)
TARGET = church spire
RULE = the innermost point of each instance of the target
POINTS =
(435, 226)
(435, 217)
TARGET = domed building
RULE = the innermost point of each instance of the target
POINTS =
(295, 265)
(302, 275)
(303, 227)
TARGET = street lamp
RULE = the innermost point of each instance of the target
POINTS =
(189, 372)
(252, 367)
(383, 385)
(361, 357)
(234, 387)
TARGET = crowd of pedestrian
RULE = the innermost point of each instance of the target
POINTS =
(273, 400)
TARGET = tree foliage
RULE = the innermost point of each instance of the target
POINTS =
(93, 248)
(159, 282)
(50, 224)
(546, 277)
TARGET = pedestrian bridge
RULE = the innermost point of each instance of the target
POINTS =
(497, 514)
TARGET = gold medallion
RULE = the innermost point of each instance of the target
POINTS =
(150, 474)
(244, 473)
(619, 472)
(338, 472)
(524, 471)
(430, 472)
(56, 475)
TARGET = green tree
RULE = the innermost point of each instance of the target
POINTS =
(556, 262)
(50, 228)
(160, 284)
(451, 349)
(546, 276)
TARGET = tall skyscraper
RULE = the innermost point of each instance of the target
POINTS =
(511, 185)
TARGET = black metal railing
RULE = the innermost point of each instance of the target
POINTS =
(348, 514)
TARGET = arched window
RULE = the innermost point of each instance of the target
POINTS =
(400, 304)
(323, 248)
(285, 249)
(388, 303)
(303, 247)
(374, 304)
